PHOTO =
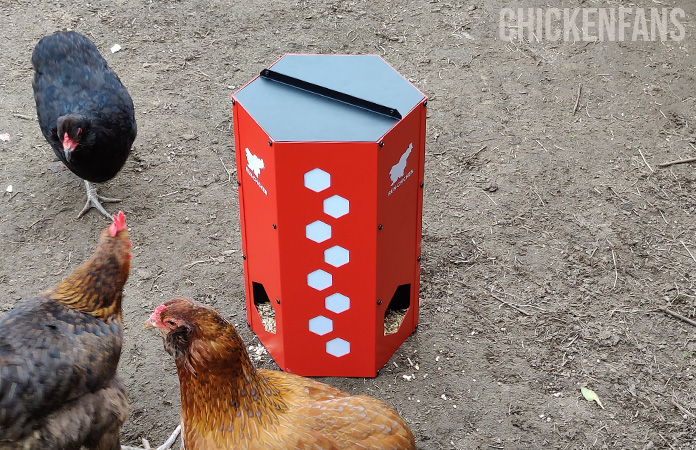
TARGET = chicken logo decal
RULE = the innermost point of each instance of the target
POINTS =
(254, 163)
(397, 171)
(396, 174)
(254, 167)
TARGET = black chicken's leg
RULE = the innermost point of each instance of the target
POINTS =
(93, 201)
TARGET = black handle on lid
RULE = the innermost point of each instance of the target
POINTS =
(331, 93)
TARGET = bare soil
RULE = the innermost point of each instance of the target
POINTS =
(552, 238)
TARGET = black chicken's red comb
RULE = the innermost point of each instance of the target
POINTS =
(118, 225)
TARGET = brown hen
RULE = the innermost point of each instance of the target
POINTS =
(58, 357)
(226, 403)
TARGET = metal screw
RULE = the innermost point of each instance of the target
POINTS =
(379, 302)
(244, 257)
(419, 258)
(425, 103)
(248, 324)
(233, 102)
(379, 227)
(421, 185)
(239, 183)
(381, 143)
(270, 143)
(278, 301)
(274, 226)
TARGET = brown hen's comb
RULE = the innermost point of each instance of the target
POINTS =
(118, 225)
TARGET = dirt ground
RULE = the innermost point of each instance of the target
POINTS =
(552, 238)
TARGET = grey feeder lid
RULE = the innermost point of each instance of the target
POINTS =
(328, 98)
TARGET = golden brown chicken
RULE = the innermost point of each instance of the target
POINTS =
(58, 357)
(226, 403)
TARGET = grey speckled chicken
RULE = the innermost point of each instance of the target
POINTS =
(58, 357)
(84, 111)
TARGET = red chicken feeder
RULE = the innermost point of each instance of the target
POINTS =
(330, 157)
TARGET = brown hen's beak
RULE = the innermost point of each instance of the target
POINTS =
(151, 326)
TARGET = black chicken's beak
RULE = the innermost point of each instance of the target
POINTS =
(68, 154)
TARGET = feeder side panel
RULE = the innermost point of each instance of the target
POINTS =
(256, 170)
(399, 212)
(342, 181)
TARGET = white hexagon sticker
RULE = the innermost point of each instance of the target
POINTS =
(320, 325)
(318, 231)
(317, 180)
(336, 256)
(338, 347)
(337, 303)
(336, 206)
(319, 280)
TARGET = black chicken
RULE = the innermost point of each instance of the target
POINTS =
(84, 111)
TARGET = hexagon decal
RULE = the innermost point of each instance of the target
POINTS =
(336, 256)
(318, 231)
(320, 325)
(319, 280)
(337, 303)
(317, 180)
(338, 347)
(336, 206)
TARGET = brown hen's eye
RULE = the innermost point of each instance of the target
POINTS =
(171, 322)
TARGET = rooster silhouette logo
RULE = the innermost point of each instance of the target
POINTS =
(254, 163)
(398, 169)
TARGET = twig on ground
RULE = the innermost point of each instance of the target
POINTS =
(659, 414)
(678, 316)
(666, 441)
(34, 223)
(571, 341)
(229, 174)
(189, 265)
(22, 116)
(484, 193)
(541, 145)
(538, 195)
(476, 153)
(688, 251)
(616, 271)
(645, 161)
(155, 278)
(663, 217)
(577, 100)
(675, 162)
(509, 304)
(683, 410)
(617, 195)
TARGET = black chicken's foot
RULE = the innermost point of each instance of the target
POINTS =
(166, 446)
(93, 201)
